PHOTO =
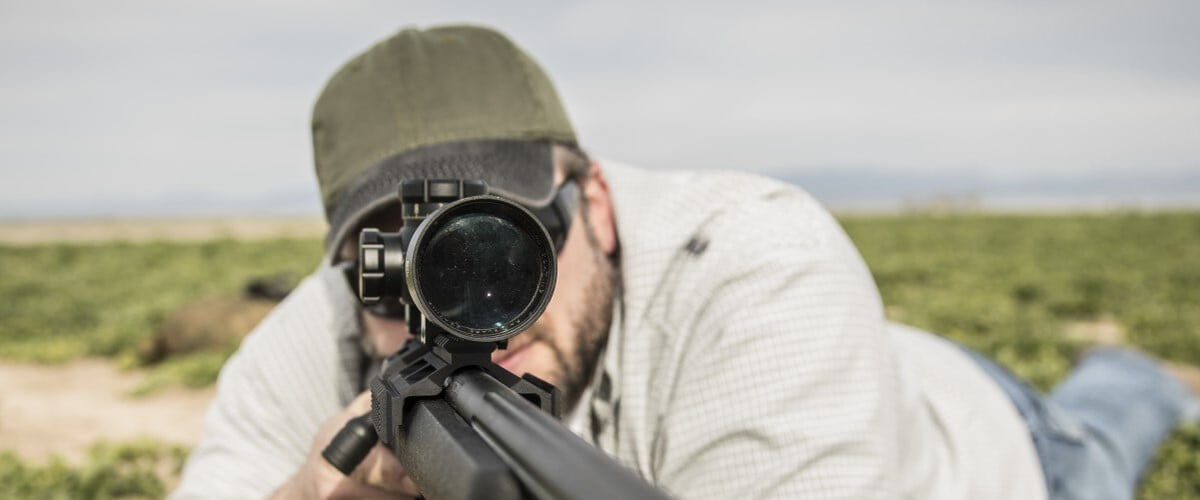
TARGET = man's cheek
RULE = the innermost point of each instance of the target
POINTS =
(385, 335)
(540, 361)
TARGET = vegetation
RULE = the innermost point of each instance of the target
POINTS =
(1019, 288)
(65, 301)
(133, 470)
(1012, 287)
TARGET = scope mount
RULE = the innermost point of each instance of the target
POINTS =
(421, 371)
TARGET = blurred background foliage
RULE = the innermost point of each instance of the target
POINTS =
(64, 301)
(140, 469)
(1030, 291)
(1017, 287)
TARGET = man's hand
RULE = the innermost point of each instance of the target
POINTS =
(379, 475)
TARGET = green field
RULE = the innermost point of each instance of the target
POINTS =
(64, 301)
(127, 470)
(1010, 286)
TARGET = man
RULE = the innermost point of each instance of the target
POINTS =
(715, 332)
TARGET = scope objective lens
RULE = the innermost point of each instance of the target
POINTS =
(480, 271)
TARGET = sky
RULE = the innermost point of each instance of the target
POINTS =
(201, 108)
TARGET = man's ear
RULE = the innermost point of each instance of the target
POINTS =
(600, 209)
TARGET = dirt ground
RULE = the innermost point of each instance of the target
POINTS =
(64, 409)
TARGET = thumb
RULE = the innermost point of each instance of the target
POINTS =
(360, 406)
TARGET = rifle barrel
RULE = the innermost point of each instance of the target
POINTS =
(551, 461)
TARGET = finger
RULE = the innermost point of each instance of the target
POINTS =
(382, 469)
(360, 405)
(350, 489)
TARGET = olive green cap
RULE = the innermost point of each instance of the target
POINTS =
(445, 102)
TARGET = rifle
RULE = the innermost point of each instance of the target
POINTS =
(468, 271)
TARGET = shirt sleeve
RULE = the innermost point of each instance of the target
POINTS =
(782, 389)
(272, 395)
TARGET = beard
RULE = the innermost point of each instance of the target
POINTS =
(575, 369)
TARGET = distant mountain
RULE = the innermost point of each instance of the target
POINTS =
(875, 189)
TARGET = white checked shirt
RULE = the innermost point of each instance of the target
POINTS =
(748, 358)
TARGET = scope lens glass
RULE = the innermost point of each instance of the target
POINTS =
(480, 271)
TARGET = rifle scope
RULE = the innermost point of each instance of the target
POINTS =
(476, 266)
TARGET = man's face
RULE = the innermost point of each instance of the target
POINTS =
(564, 345)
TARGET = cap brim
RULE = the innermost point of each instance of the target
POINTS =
(522, 171)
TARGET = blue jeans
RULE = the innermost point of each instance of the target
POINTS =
(1099, 429)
